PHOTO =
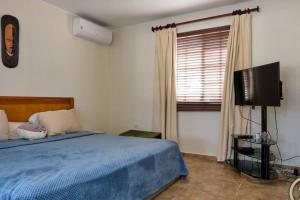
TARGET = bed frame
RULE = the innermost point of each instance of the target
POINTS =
(19, 109)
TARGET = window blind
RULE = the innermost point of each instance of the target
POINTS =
(201, 59)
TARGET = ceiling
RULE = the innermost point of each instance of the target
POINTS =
(118, 13)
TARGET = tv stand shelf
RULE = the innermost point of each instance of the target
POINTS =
(253, 169)
(256, 141)
(253, 159)
(256, 154)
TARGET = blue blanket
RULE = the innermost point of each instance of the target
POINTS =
(87, 166)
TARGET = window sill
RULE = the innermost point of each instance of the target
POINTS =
(196, 106)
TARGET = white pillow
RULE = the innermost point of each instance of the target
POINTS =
(31, 135)
(60, 121)
(34, 118)
(3, 126)
(13, 129)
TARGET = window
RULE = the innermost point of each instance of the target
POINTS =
(201, 59)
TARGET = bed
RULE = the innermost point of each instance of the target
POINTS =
(84, 165)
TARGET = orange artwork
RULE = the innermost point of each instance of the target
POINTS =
(9, 39)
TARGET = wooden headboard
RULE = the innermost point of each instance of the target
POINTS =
(19, 109)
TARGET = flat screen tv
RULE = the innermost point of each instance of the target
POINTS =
(258, 86)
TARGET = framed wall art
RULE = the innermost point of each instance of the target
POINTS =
(10, 41)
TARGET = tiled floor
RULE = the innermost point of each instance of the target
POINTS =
(209, 180)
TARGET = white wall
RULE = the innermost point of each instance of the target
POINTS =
(53, 62)
(113, 86)
(276, 36)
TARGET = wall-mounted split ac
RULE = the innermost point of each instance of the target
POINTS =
(91, 31)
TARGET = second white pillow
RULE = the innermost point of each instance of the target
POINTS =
(33, 118)
(60, 121)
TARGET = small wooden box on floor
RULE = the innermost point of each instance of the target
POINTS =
(143, 134)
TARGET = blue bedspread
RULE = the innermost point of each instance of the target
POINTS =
(87, 166)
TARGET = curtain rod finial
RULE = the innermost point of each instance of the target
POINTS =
(257, 8)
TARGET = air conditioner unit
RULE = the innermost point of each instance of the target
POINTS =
(91, 31)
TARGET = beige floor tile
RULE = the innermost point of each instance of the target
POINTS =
(209, 180)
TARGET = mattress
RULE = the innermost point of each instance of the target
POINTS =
(86, 165)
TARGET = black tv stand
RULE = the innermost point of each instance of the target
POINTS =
(256, 163)
(264, 119)
(265, 148)
(252, 156)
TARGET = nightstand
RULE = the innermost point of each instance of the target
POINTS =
(143, 134)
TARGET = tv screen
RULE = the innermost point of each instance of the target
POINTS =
(258, 86)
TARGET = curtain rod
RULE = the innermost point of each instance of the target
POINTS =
(235, 12)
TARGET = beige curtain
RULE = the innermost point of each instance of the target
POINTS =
(239, 56)
(165, 109)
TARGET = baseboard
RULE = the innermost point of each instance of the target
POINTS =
(291, 167)
(214, 158)
(194, 153)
